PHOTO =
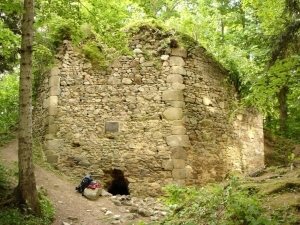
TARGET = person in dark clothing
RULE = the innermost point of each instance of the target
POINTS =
(84, 183)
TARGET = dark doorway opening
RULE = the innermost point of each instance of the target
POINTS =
(119, 184)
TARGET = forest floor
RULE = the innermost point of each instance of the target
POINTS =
(70, 206)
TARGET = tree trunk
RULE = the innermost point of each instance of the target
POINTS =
(283, 108)
(26, 190)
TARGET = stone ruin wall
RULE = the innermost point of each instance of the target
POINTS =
(159, 117)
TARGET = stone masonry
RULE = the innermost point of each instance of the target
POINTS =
(160, 116)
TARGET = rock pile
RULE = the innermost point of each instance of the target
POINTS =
(136, 207)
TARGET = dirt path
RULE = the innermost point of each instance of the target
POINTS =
(70, 206)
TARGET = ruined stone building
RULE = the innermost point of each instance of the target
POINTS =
(160, 116)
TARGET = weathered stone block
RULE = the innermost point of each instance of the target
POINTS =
(205, 123)
(175, 78)
(156, 186)
(178, 86)
(53, 111)
(50, 120)
(206, 136)
(239, 117)
(179, 52)
(69, 120)
(178, 140)
(157, 135)
(131, 99)
(138, 79)
(171, 95)
(179, 163)
(69, 136)
(164, 57)
(178, 70)
(173, 114)
(49, 152)
(179, 173)
(114, 80)
(134, 63)
(111, 126)
(207, 101)
(176, 61)
(178, 130)
(73, 101)
(52, 129)
(54, 81)
(54, 71)
(189, 171)
(167, 164)
(178, 153)
(53, 100)
(52, 159)
(90, 89)
(56, 144)
(46, 103)
(55, 90)
(126, 81)
(222, 105)
(49, 136)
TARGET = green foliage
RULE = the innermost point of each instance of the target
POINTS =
(93, 52)
(5, 181)
(64, 29)
(47, 208)
(9, 43)
(10, 11)
(9, 99)
(215, 204)
(43, 58)
(269, 13)
(162, 9)
(12, 216)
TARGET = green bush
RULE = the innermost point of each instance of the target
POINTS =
(94, 54)
(214, 205)
(64, 29)
(9, 106)
(12, 216)
(47, 208)
(5, 174)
